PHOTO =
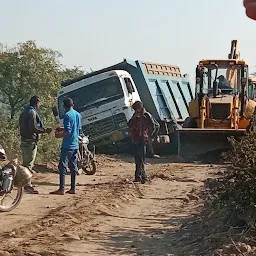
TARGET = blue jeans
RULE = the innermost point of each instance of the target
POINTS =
(68, 158)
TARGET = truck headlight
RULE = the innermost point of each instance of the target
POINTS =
(122, 124)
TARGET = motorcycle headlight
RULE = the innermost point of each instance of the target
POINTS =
(2, 154)
(2, 150)
(85, 140)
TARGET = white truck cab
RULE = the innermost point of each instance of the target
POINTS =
(104, 101)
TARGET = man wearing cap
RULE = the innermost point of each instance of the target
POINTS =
(69, 148)
(31, 127)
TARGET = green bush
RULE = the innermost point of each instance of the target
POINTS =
(234, 196)
(48, 145)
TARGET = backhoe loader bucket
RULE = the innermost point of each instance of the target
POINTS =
(204, 145)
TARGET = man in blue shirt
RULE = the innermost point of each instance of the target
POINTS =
(69, 148)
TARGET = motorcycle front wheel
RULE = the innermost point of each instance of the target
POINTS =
(91, 168)
(10, 201)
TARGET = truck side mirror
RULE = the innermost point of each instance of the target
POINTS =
(55, 111)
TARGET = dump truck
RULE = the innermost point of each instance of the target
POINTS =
(222, 107)
(104, 99)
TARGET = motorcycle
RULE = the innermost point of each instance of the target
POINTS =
(12, 180)
(86, 158)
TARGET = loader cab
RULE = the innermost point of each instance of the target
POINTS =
(221, 77)
(222, 87)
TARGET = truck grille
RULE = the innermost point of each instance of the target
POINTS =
(220, 111)
(104, 126)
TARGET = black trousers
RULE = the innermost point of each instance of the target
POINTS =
(139, 152)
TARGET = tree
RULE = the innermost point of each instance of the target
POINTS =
(28, 70)
(70, 73)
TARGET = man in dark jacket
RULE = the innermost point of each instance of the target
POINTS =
(223, 83)
(31, 127)
(140, 124)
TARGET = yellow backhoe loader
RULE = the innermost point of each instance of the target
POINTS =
(222, 106)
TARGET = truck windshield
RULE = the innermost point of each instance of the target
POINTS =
(93, 95)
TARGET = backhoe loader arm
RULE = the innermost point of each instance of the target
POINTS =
(234, 54)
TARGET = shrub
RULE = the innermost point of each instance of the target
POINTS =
(234, 196)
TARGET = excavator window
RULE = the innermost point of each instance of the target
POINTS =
(228, 78)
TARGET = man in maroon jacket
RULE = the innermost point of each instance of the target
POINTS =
(141, 127)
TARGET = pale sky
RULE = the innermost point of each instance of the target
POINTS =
(94, 34)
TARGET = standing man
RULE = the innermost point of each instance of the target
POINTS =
(140, 124)
(31, 127)
(69, 148)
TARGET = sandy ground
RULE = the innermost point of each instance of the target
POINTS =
(109, 215)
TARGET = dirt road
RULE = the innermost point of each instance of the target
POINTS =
(109, 215)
